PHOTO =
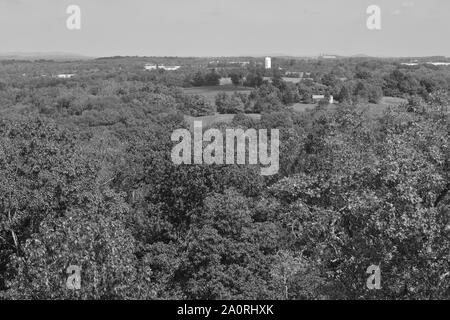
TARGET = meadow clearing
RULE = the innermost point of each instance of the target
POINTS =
(210, 93)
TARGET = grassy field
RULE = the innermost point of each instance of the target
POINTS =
(392, 101)
(217, 118)
(377, 109)
(374, 108)
(302, 107)
(210, 93)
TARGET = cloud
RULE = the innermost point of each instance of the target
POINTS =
(408, 4)
(11, 2)
(405, 5)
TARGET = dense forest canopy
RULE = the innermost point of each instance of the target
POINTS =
(87, 180)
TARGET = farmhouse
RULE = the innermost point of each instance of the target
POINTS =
(319, 97)
(439, 63)
(155, 67)
(151, 67)
(171, 68)
(224, 81)
(65, 75)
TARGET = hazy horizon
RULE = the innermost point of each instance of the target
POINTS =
(75, 54)
(226, 28)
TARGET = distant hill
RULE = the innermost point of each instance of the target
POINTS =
(57, 56)
(360, 55)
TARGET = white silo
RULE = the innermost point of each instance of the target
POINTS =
(268, 63)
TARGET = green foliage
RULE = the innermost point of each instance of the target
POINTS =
(196, 105)
(211, 78)
(227, 104)
(88, 180)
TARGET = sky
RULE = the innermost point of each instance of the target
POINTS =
(226, 27)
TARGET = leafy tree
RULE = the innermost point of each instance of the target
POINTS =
(229, 104)
(196, 105)
(223, 256)
(237, 79)
(345, 95)
(211, 79)
(329, 80)
(198, 80)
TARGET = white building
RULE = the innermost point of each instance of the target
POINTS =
(155, 67)
(439, 63)
(268, 63)
(319, 97)
(65, 75)
(151, 67)
(225, 81)
(171, 68)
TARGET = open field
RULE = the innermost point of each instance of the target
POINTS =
(392, 101)
(302, 107)
(217, 118)
(377, 109)
(374, 108)
(210, 93)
